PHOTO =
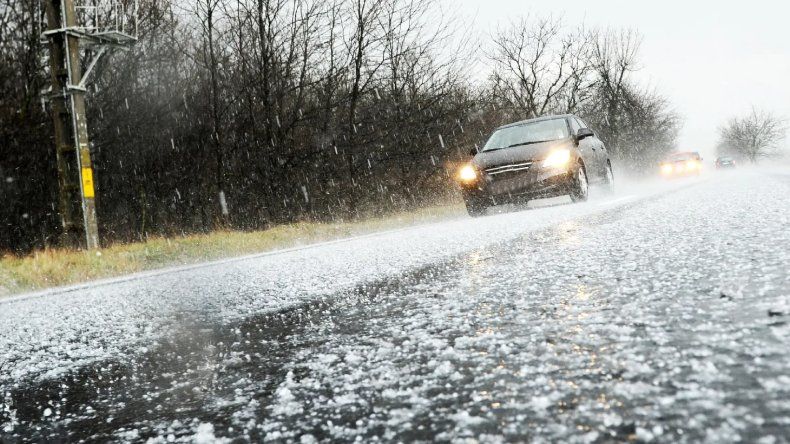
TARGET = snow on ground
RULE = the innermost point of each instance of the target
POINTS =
(604, 327)
(650, 315)
(46, 336)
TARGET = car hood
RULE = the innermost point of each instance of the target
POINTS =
(517, 154)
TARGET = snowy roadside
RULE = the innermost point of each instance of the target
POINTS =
(42, 338)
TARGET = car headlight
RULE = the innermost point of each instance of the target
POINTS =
(558, 158)
(692, 165)
(666, 169)
(467, 174)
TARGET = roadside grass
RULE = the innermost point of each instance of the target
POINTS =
(57, 267)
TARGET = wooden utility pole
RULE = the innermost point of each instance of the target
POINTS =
(77, 197)
(75, 170)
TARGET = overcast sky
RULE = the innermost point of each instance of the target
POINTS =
(713, 59)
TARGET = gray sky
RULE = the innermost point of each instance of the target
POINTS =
(713, 59)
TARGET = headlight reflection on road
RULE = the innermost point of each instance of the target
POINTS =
(475, 258)
(581, 293)
(569, 233)
(474, 263)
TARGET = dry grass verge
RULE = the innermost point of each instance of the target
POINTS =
(56, 267)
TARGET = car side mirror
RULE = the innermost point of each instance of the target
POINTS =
(473, 151)
(584, 133)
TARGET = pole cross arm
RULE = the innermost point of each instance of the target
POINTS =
(84, 81)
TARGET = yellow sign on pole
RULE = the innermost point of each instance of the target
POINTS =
(87, 183)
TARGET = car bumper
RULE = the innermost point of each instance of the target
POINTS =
(533, 184)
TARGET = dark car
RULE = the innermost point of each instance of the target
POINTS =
(682, 164)
(544, 157)
(725, 163)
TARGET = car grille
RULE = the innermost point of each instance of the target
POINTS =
(509, 168)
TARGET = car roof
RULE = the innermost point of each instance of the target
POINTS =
(537, 119)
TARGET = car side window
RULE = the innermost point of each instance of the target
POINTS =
(580, 122)
(574, 126)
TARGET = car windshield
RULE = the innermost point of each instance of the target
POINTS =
(527, 133)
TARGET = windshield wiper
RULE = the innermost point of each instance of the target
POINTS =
(528, 143)
(514, 145)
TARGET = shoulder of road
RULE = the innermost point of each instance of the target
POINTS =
(58, 270)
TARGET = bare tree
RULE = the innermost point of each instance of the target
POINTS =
(540, 67)
(615, 58)
(27, 155)
(752, 136)
(366, 35)
(209, 15)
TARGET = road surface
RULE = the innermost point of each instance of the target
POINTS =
(659, 313)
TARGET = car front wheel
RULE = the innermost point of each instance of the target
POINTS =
(580, 187)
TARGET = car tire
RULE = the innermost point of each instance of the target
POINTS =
(475, 208)
(580, 186)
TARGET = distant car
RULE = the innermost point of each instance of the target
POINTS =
(682, 164)
(725, 163)
(544, 157)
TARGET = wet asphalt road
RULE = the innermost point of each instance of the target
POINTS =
(662, 317)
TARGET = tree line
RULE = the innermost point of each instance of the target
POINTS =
(243, 114)
(752, 137)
